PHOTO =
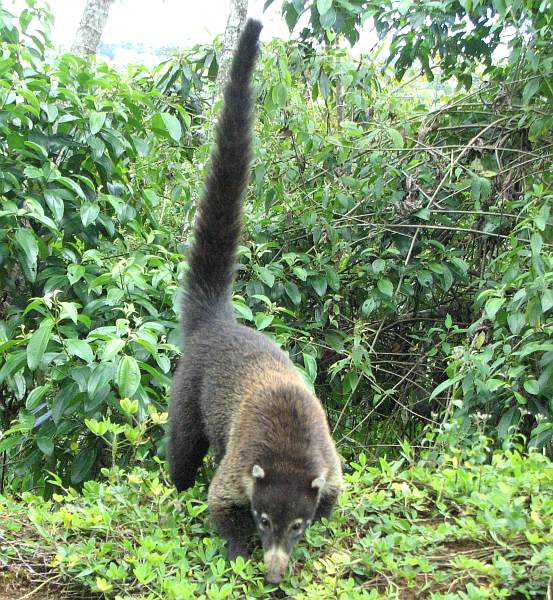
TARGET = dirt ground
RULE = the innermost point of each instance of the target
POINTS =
(23, 590)
(15, 587)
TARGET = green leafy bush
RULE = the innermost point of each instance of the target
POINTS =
(87, 269)
(398, 237)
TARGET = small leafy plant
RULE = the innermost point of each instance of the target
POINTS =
(465, 525)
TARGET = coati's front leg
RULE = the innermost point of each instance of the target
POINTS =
(231, 512)
(235, 525)
(326, 504)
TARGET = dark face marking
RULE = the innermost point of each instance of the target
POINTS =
(282, 511)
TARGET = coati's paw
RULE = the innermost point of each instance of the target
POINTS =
(236, 549)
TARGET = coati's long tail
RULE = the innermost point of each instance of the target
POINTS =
(212, 255)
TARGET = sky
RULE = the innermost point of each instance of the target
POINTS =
(163, 23)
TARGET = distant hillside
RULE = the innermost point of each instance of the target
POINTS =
(129, 53)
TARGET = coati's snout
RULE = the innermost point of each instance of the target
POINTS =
(283, 507)
(276, 561)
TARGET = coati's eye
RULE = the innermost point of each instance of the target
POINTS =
(264, 522)
(296, 526)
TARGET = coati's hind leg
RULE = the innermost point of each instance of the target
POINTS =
(231, 513)
(188, 443)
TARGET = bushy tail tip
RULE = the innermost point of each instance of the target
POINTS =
(246, 51)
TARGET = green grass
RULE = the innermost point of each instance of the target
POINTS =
(458, 529)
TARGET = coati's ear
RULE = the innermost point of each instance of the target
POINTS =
(318, 483)
(258, 472)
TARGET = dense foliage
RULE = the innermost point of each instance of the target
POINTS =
(398, 235)
(398, 245)
(87, 270)
(452, 529)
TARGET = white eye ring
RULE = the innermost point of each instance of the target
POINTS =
(296, 526)
(265, 522)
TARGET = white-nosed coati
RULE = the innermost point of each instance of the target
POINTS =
(234, 389)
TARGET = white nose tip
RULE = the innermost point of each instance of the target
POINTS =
(276, 560)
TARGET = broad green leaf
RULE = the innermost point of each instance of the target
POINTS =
(328, 19)
(97, 427)
(38, 343)
(89, 213)
(128, 376)
(112, 348)
(96, 121)
(243, 310)
(532, 347)
(80, 348)
(71, 185)
(492, 306)
(532, 387)
(300, 273)
(530, 89)
(423, 214)
(445, 385)
(45, 444)
(404, 6)
(40, 150)
(263, 320)
(12, 364)
(33, 172)
(333, 278)
(543, 217)
(11, 441)
(536, 243)
(44, 220)
(36, 395)
(293, 292)
(266, 276)
(516, 322)
(168, 124)
(74, 273)
(173, 126)
(378, 266)
(151, 198)
(55, 204)
(27, 241)
(385, 286)
(323, 6)
(69, 310)
(52, 112)
(368, 306)
(425, 278)
(310, 365)
(547, 300)
(324, 84)
(82, 464)
(319, 285)
(101, 377)
(279, 94)
(447, 278)
(508, 420)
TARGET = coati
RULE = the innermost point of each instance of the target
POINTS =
(234, 389)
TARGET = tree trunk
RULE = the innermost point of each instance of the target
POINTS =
(236, 19)
(91, 27)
